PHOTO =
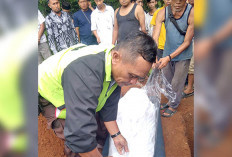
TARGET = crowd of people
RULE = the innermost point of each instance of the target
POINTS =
(167, 31)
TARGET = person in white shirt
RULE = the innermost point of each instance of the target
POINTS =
(43, 48)
(148, 17)
(102, 20)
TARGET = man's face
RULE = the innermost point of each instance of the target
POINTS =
(54, 5)
(139, 2)
(167, 2)
(126, 73)
(152, 4)
(83, 4)
(124, 2)
(99, 3)
(178, 5)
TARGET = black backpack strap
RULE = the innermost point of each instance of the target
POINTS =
(173, 20)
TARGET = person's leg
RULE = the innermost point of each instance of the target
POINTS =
(178, 81)
(168, 72)
(48, 111)
(189, 88)
(40, 57)
(45, 50)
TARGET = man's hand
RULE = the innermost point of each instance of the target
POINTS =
(163, 62)
(98, 40)
(121, 144)
(90, 5)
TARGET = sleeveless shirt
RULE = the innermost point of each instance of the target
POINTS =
(127, 24)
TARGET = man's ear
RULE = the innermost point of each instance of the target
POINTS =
(49, 5)
(116, 57)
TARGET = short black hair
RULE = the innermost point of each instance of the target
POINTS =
(133, 0)
(66, 5)
(135, 44)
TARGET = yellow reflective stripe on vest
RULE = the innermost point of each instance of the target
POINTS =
(104, 94)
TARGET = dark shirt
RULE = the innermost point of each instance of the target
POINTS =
(82, 20)
(127, 24)
(82, 83)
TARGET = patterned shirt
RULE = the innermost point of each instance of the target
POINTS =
(60, 31)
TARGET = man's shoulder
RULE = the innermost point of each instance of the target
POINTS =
(109, 8)
(88, 64)
(77, 12)
(94, 12)
(158, 10)
(48, 18)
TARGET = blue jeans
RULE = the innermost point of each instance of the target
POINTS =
(159, 147)
(90, 40)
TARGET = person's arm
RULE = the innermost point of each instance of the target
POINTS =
(81, 92)
(76, 37)
(90, 6)
(41, 30)
(187, 41)
(119, 141)
(115, 31)
(112, 16)
(157, 27)
(77, 31)
(76, 25)
(51, 36)
(97, 37)
(94, 26)
(139, 14)
(108, 114)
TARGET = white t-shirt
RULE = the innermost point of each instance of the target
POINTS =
(148, 25)
(41, 19)
(103, 23)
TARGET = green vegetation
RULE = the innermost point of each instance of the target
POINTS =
(45, 10)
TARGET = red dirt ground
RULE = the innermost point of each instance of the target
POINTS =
(177, 130)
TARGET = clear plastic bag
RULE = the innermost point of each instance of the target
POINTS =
(138, 116)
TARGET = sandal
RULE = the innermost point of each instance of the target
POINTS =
(164, 106)
(168, 111)
(184, 95)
